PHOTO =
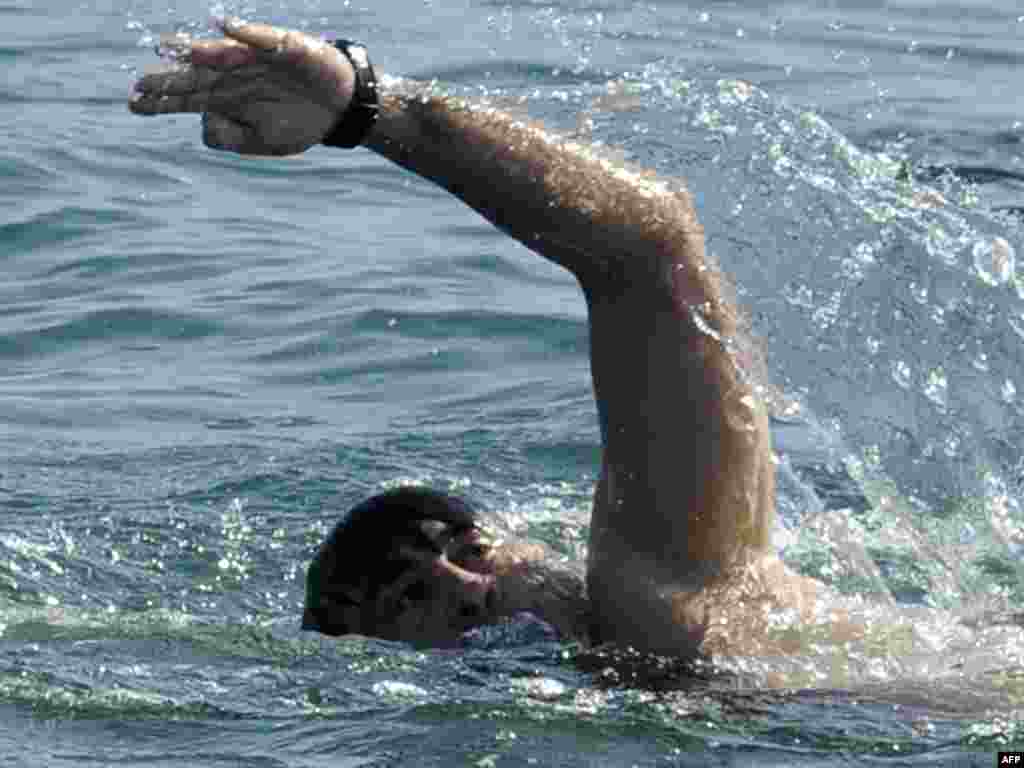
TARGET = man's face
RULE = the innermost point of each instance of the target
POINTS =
(439, 592)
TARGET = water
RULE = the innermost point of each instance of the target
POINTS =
(206, 358)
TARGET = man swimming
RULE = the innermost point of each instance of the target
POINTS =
(679, 556)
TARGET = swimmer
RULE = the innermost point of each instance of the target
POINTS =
(679, 560)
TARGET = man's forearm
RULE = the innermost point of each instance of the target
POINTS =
(612, 228)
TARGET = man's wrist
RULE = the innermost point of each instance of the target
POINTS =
(358, 120)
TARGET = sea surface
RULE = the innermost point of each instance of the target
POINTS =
(206, 359)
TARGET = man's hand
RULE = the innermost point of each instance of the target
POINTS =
(261, 90)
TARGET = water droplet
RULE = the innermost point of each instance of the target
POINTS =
(967, 533)
(851, 270)
(734, 91)
(704, 17)
(939, 244)
(952, 446)
(864, 252)
(994, 260)
(541, 688)
(1009, 391)
(935, 389)
(798, 295)
(783, 167)
(1017, 324)
(873, 457)
(397, 689)
(919, 292)
(901, 373)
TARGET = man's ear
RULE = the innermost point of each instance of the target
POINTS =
(309, 621)
(335, 612)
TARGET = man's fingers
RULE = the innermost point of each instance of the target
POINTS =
(222, 54)
(198, 89)
(185, 89)
(165, 104)
(179, 81)
(278, 46)
(264, 37)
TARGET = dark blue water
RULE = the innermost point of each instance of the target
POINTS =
(205, 359)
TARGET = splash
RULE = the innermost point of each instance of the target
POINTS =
(994, 260)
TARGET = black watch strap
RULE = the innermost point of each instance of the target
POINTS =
(354, 126)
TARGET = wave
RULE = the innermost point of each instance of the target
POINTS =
(122, 322)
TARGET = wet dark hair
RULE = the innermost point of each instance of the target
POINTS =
(358, 553)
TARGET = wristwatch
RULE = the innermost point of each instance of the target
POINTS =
(357, 121)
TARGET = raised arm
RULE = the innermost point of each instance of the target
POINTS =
(685, 496)
(686, 488)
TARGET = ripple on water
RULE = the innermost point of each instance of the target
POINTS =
(62, 226)
(102, 325)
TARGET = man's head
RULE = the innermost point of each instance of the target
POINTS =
(408, 564)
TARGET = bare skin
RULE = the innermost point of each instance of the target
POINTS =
(679, 536)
